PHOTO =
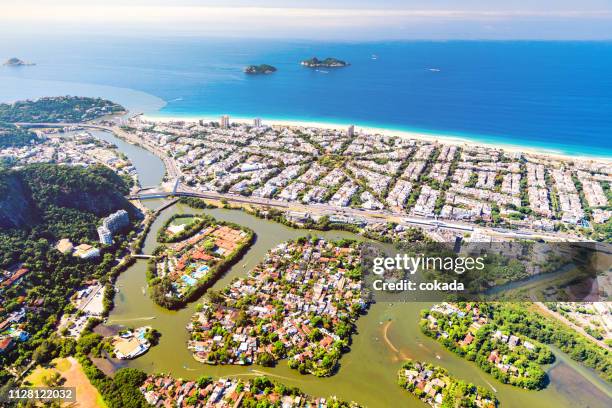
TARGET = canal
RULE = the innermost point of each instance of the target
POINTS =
(386, 335)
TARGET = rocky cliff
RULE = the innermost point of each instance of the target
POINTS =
(27, 193)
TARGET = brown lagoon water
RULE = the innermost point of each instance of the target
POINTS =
(387, 335)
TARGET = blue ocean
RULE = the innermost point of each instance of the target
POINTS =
(549, 95)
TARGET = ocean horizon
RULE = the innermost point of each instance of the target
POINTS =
(549, 96)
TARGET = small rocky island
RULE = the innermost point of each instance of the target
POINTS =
(314, 62)
(16, 62)
(259, 69)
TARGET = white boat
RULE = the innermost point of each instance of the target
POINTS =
(434, 69)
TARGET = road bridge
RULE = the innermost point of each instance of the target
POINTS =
(142, 256)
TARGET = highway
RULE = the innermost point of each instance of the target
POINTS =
(368, 216)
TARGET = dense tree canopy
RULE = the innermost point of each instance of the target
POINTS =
(13, 136)
(58, 109)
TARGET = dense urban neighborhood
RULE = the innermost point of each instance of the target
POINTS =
(340, 169)
(301, 303)
(161, 391)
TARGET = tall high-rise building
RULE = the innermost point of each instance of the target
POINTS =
(225, 121)
(116, 221)
(351, 131)
(106, 237)
(257, 122)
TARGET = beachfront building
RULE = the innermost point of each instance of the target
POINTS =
(224, 122)
(351, 131)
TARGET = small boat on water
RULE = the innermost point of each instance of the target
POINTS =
(434, 69)
(374, 57)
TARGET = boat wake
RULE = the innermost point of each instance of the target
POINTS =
(134, 319)
(490, 385)
(259, 372)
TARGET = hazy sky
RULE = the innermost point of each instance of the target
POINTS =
(317, 19)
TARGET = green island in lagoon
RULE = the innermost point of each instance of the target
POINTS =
(470, 331)
(196, 251)
(300, 303)
(434, 386)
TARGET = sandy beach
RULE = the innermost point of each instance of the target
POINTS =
(431, 137)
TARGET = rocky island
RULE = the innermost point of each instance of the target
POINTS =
(16, 62)
(314, 62)
(259, 69)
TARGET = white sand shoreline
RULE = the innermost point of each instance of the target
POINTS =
(441, 138)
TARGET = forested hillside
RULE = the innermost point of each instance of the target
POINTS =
(40, 204)
(58, 109)
(11, 136)
(56, 196)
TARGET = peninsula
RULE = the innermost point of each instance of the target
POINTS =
(259, 69)
(314, 62)
(16, 62)
(482, 334)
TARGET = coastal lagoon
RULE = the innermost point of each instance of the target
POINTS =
(543, 95)
(386, 335)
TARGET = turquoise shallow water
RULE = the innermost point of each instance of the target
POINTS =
(548, 95)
